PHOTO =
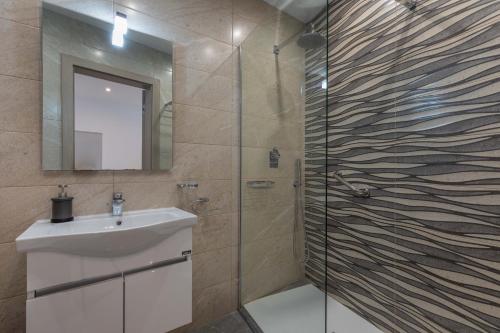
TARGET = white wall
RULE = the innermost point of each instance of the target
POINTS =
(116, 114)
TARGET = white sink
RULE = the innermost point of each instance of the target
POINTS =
(102, 235)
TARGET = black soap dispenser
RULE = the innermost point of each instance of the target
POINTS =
(62, 206)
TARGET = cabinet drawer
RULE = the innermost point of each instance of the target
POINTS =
(93, 308)
(158, 300)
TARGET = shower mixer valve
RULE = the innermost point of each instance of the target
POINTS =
(274, 157)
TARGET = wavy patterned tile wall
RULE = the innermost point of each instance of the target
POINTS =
(414, 113)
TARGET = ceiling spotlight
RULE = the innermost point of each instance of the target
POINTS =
(108, 89)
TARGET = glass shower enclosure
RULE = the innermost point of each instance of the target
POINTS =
(283, 77)
(369, 182)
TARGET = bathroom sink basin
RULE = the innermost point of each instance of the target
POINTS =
(105, 235)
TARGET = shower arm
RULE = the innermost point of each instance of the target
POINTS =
(278, 47)
(357, 192)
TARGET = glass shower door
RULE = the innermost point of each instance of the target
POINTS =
(283, 173)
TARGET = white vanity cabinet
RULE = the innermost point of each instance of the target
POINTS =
(158, 300)
(95, 275)
(151, 301)
(93, 308)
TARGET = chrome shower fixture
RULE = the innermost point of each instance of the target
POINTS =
(274, 157)
(410, 4)
(309, 39)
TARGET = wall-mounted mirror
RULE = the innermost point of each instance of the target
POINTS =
(107, 89)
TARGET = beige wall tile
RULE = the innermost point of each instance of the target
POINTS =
(190, 161)
(168, 9)
(211, 268)
(21, 207)
(273, 107)
(12, 314)
(220, 194)
(149, 195)
(20, 51)
(212, 232)
(202, 161)
(229, 68)
(273, 30)
(20, 157)
(267, 252)
(273, 86)
(212, 303)
(264, 133)
(127, 176)
(197, 88)
(256, 11)
(22, 11)
(20, 161)
(242, 28)
(220, 162)
(201, 125)
(91, 198)
(204, 54)
(269, 221)
(13, 268)
(215, 23)
(72, 177)
(268, 280)
(20, 107)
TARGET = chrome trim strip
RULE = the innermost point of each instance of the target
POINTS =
(85, 282)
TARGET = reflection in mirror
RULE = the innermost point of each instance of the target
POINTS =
(115, 141)
(107, 90)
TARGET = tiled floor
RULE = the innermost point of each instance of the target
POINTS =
(232, 323)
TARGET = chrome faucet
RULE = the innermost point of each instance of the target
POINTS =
(117, 204)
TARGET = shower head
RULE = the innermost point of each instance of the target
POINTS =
(309, 39)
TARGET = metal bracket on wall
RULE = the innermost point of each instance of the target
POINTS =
(260, 183)
(187, 185)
